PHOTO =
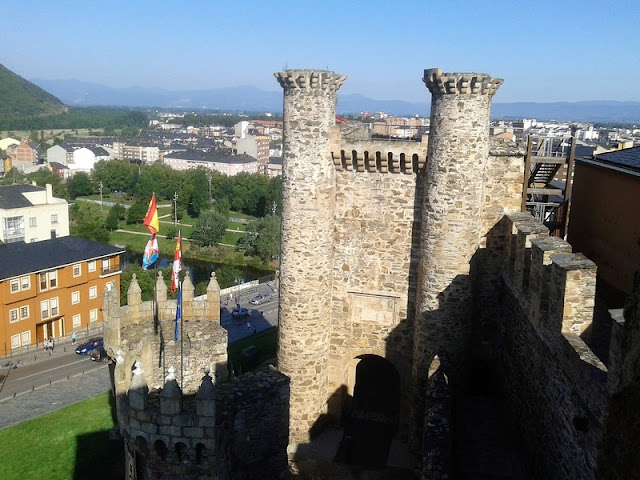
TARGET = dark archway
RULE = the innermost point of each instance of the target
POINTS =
(371, 417)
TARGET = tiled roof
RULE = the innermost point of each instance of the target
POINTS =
(21, 258)
(11, 195)
(627, 158)
(200, 156)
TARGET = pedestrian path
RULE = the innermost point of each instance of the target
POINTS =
(50, 398)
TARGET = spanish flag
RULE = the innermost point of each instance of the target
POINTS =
(151, 219)
(177, 265)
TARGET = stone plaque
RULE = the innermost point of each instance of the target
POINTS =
(373, 308)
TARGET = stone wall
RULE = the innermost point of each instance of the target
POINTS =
(554, 385)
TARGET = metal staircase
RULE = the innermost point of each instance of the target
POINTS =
(548, 199)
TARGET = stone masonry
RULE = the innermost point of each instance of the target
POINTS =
(308, 203)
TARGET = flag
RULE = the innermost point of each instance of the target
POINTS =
(151, 218)
(150, 252)
(178, 313)
(177, 265)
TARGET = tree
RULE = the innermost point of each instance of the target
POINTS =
(88, 222)
(79, 185)
(263, 238)
(112, 219)
(137, 211)
(209, 229)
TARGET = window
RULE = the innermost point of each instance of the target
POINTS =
(13, 315)
(49, 308)
(33, 222)
(44, 309)
(77, 270)
(105, 265)
(93, 292)
(75, 297)
(77, 321)
(24, 312)
(26, 337)
(48, 280)
(54, 218)
(92, 266)
(25, 283)
(15, 286)
(15, 341)
(93, 315)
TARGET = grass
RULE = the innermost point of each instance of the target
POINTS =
(71, 443)
(266, 343)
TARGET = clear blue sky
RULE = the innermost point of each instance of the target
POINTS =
(545, 51)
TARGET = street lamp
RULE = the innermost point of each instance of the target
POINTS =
(100, 188)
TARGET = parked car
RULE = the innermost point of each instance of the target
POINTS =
(98, 354)
(89, 345)
(239, 312)
(259, 299)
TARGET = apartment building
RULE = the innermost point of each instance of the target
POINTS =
(52, 288)
(29, 213)
(229, 165)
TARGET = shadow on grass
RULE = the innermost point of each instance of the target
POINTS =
(98, 457)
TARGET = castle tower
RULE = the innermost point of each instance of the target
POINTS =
(451, 213)
(308, 200)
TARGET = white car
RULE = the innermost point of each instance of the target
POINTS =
(260, 298)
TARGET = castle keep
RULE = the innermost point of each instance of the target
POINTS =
(408, 277)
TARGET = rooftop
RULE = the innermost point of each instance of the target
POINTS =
(11, 196)
(627, 158)
(21, 258)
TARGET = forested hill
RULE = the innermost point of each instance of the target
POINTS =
(21, 98)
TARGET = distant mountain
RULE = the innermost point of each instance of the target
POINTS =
(254, 100)
(21, 98)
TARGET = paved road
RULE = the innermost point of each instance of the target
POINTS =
(57, 367)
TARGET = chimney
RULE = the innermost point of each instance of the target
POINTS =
(49, 192)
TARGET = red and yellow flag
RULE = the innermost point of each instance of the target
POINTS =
(151, 219)
(177, 265)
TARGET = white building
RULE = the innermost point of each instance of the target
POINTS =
(85, 158)
(229, 165)
(29, 213)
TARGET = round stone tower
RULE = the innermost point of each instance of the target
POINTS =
(457, 155)
(308, 202)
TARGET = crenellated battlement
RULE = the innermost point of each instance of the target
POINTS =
(460, 83)
(553, 285)
(381, 156)
(132, 333)
(310, 79)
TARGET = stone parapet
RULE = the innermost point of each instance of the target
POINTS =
(554, 286)
(381, 156)
(440, 83)
(310, 79)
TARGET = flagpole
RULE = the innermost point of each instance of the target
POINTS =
(181, 323)
(181, 345)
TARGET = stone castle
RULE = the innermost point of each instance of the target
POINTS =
(408, 277)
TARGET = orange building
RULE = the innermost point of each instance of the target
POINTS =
(52, 288)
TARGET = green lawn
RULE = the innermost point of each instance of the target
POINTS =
(266, 343)
(71, 443)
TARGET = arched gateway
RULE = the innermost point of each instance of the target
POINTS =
(370, 412)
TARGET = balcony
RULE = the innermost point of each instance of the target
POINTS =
(13, 235)
(112, 269)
